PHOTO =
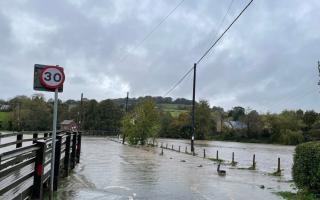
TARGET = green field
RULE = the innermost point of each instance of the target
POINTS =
(4, 116)
(174, 109)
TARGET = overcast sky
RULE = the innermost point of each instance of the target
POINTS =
(267, 61)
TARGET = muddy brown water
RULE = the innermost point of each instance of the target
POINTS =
(109, 170)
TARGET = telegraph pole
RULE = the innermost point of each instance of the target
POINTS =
(126, 110)
(81, 112)
(193, 106)
(319, 71)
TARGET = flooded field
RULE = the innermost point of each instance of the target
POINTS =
(109, 170)
(266, 154)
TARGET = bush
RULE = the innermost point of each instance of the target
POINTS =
(306, 167)
(289, 137)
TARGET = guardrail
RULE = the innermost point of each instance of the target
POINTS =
(25, 162)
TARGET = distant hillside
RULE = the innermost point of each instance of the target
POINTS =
(174, 109)
(157, 100)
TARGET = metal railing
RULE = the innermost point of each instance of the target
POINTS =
(25, 162)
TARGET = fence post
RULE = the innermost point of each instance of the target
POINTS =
(57, 162)
(217, 155)
(232, 157)
(204, 153)
(254, 161)
(78, 147)
(45, 135)
(73, 152)
(179, 148)
(279, 169)
(186, 150)
(19, 138)
(34, 137)
(67, 155)
(172, 147)
(37, 189)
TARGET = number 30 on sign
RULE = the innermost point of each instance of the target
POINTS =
(52, 77)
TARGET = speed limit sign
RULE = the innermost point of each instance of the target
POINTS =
(52, 77)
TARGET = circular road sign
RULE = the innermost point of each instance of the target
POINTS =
(52, 77)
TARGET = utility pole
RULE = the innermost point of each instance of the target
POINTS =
(193, 106)
(319, 71)
(81, 113)
(126, 110)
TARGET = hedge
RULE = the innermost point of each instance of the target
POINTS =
(306, 167)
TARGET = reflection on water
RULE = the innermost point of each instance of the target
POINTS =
(109, 170)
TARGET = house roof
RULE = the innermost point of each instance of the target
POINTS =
(67, 122)
(235, 124)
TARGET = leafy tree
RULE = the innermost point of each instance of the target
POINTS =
(202, 120)
(236, 113)
(109, 115)
(254, 124)
(90, 116)
(310, 117)
(166, 120)
(142, 123)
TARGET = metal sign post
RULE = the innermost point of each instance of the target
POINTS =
(54, 135)
(50, 78)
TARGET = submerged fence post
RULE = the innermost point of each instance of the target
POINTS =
(232, 157)
(179, 148)
(279, 169)
(186, 150)
(19, 140)
(167, 146)
(172, 147)
(254, 161)
(37, 189)
(161, 151)
(204, 153)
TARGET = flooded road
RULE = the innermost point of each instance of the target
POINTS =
(109, 170)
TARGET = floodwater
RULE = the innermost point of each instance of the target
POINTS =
(266, 155)
(110, 170)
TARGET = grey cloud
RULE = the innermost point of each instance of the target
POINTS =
(266, 61)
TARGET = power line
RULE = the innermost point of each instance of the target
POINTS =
(153, 30)
(178, 83)
(224, 32)
(224, 17)
(188, 72)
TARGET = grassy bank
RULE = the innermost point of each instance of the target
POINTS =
(297, 196)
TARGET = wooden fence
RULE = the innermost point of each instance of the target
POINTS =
(25, 162)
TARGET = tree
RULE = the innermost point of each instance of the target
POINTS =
(142, 123)
(236, 113)
(166, 120)
(254, 124)
(309, 118)
(109, 115)
(203, 120)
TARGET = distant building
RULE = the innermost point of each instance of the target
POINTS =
(5, 108)
(68, 125)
